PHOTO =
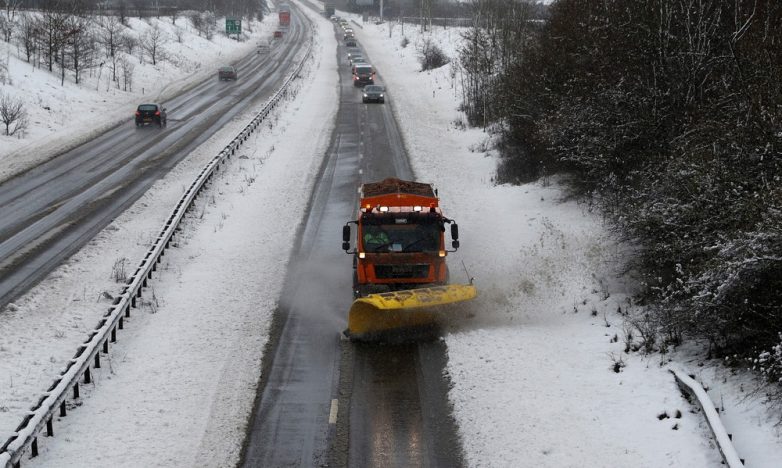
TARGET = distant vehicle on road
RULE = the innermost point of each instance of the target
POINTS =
(350, 43)
(277, 33)
(227, 73)
(356, 58)
(284, 12)
(363, 74)
(151, 114)
(374, 93)
(353, 51)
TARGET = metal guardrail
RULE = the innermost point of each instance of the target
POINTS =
(88, 355)
(721, 436)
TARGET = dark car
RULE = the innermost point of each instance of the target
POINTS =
(374, 93)
(277, 33)
(227, 73)
(151, 114)
(350, 42)
(363, 74)
(357, 60)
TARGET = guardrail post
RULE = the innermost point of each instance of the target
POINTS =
(106, 347)
(87, 377)
(97, 360)
(114, 335)
(63, 410)
(75, 395)
(34, 451)
(49, 428)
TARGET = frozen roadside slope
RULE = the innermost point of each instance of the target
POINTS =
(61, 116)
(181, 380)
(531, 372)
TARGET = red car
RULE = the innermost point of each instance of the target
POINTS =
(278, 33)
(227, 73)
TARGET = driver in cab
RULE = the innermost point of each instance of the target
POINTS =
(375, 237)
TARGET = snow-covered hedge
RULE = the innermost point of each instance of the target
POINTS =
(670, 120)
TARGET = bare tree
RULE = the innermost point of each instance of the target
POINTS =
(110, 33)
(28, 34)
(179, 34)
(81, 46)
(11, 6)
(6, 27)
(7, 18)
(52, 27)
(126, 67)
(71, 28)
(129, 43)
(12, 114)
(210, 24)
(152, 43)
(110, 36)
(197, 21)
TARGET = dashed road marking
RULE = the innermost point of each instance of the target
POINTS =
(333, 412)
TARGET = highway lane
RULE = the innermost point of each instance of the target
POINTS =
(49, 212)
(389, 401)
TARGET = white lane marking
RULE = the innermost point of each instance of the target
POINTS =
(333, 412)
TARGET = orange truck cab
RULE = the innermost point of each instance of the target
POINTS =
(400, 238)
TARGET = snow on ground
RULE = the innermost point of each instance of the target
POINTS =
(532, 370)
(189, 406)
(63, 115)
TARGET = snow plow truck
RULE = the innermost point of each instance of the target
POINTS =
(400, 276)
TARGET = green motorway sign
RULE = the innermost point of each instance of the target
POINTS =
(233, 26)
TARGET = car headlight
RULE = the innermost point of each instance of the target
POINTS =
(381, 94)
(365, 95)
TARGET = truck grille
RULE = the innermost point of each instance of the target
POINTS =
(401, 271)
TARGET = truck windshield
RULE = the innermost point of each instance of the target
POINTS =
(401, 237)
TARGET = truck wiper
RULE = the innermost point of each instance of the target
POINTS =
(415, 242)
(382, 246)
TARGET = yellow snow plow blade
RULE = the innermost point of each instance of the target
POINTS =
(402, 310)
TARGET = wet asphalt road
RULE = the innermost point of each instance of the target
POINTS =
(324, 401)
(49, 212)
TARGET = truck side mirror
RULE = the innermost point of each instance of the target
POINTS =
(455, 235)
(346, 238)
